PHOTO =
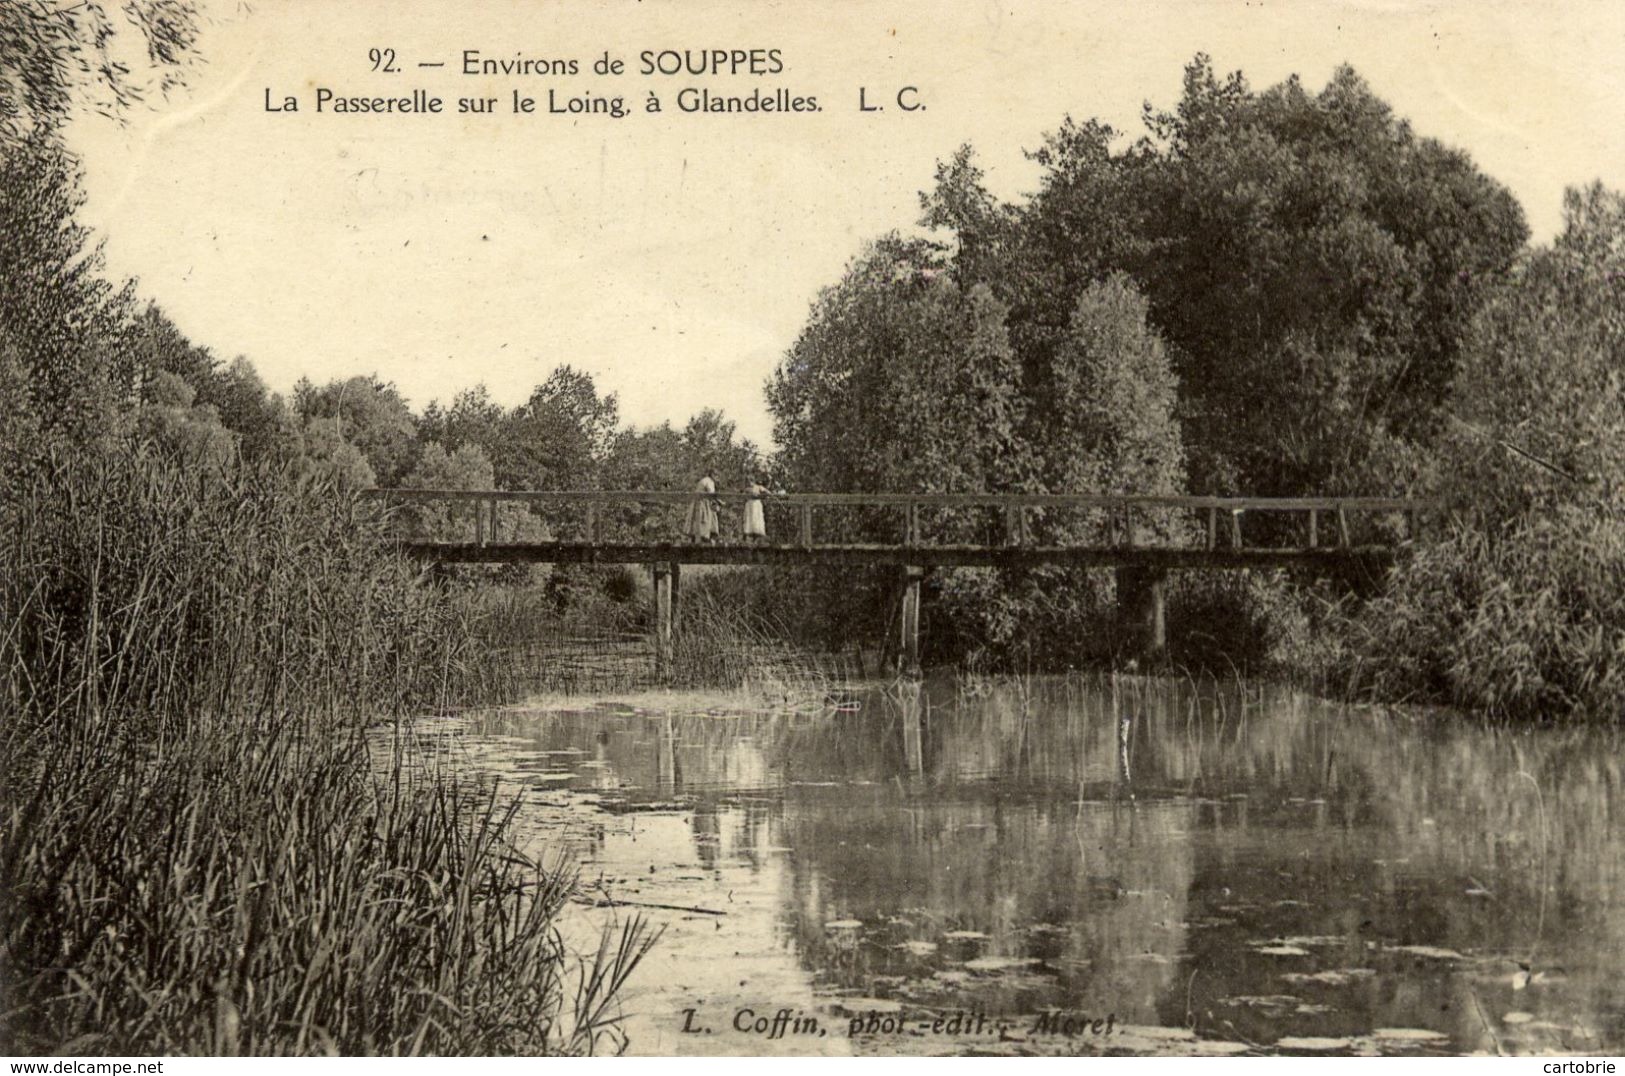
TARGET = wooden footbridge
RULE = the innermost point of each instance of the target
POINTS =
(1142, 537)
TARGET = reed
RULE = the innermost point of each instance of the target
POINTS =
(728, 640)
(203, 852)
(527, 644)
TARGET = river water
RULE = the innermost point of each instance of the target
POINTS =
(1084, 865)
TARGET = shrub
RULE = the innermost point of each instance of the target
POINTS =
(1528, 623)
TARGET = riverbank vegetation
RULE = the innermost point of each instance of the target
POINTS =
(210, 840)
(204, 851)
(1518, 605)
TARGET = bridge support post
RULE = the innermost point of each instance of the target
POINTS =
(663, 641)
(676, 600)
(913, 740)
(909, 649)
(1142, 611)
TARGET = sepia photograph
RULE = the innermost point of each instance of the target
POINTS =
(735, 528)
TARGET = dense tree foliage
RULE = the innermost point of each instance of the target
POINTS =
(1519, 606)
(1311, 262)
(368, 413)
(904, 381)
(64, 326)
(558, 438)
(1537, 417)
(1101, 412)
(66, 355)
(901, 381)
(1267, 292)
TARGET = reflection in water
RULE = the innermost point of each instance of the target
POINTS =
(1215, 869)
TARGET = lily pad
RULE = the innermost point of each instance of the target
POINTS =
(1265, 1001)
(1181, 1034)
(998, 963)
(1409, 1034)
(1432, 952)
(1333, 977)
(1314, 1043)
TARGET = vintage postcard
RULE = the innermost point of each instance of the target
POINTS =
(706, 527)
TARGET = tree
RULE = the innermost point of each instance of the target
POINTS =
(961, 205)
(1102, 414)
(54, 55)
(1315, 265)
(1099, 417)
(711, 442)
(663, 458)
(1310, 262)
(465, 468)
(323, 454)
(171, 419)
(1537, 416)
(233, 390)
(900, 381)
(63, 329)
(559, 437)
(246, 407)
(472, 419)
(65, 326)
(653, 458)
(160, 347)
(368, 413)
(1518, 607)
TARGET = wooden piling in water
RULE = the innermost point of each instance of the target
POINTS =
(676, 601)
(663, 619)
(1142, 610)
(909, 648)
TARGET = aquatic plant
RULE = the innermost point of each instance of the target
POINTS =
(727, 639)
(199, 853)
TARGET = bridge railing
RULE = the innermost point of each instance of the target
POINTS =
(813, 520)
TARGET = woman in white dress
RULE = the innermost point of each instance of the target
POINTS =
(755, 523)
(702, 514)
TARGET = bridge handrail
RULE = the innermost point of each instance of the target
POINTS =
(943, 500)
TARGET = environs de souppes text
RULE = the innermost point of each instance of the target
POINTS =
(664, 66)
(669, 62)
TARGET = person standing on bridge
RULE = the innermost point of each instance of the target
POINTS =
(755, 521)
(702, 514)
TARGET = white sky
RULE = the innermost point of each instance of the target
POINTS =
(674, 257)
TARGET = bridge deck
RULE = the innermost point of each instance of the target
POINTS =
(614, 527)
(922, 556)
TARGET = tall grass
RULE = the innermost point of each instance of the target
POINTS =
(529, 641)
(141, 587)
(730, 636)
(602, 640)
(200, 853)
